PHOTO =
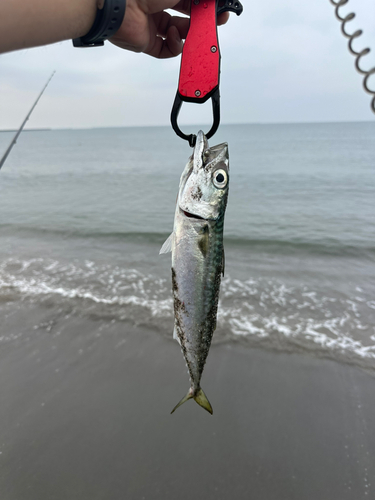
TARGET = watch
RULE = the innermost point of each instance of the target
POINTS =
(107, 21)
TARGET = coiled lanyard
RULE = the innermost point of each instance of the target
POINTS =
(200, 62)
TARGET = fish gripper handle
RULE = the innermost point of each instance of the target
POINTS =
(200, 62)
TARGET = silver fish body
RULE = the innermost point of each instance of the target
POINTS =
(198, 256)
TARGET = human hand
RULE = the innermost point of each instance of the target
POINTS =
(148, 28)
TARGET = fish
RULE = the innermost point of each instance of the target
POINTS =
(197, 250)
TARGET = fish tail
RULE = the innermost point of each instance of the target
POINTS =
(185, 398)
(202, 400)
(199, 397)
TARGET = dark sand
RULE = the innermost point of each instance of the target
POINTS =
(85, 414)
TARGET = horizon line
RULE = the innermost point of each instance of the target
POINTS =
(39, 129)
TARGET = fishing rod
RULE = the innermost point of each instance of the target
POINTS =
(14, 140)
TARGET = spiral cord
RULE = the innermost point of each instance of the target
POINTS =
(357, 55)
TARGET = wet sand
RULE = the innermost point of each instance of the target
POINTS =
(85, 414)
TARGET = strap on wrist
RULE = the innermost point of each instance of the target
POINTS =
(107, 21)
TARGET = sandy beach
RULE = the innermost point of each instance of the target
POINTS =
(85, 414)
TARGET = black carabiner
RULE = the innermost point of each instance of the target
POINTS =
(215, 99)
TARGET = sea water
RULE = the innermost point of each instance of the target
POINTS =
(83, 214)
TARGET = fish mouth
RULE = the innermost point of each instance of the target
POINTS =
(191, 216)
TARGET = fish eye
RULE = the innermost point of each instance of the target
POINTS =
(220, 178)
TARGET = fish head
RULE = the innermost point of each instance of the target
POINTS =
(205, 181)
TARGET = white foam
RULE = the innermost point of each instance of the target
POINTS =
(263, 310)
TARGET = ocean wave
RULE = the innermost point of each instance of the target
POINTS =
(360, 249)
(260, 312)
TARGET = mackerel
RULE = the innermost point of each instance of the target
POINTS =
(197, 250)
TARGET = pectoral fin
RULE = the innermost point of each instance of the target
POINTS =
(204, 240)
(167, 245)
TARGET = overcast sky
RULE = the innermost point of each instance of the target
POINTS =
(281, 62)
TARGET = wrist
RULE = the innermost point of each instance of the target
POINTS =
(108, 19)
(82, 16)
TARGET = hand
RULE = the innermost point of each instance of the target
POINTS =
(147, 28)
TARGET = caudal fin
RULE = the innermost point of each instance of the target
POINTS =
(200, 398)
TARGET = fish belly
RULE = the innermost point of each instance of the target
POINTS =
(196, 273)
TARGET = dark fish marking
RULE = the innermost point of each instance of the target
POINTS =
(204, 240)
(174, 281)
(197, 195)
(178, 304)
(179, 310)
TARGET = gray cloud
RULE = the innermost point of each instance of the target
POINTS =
(281, 62)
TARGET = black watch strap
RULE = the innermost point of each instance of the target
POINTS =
(107, 22)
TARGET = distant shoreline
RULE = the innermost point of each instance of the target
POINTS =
(272, 124)
(26, 130)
